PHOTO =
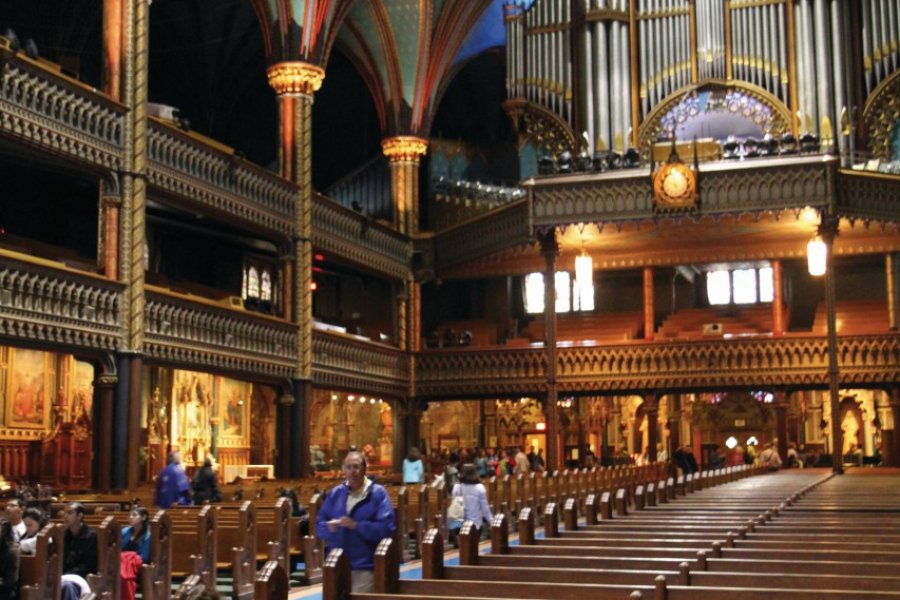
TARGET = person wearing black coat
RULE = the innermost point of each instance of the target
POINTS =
(206, 485)
(79, 543)
(9, 562)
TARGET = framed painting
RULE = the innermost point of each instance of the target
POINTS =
(28, 393)
(234, 410)
(81, 389)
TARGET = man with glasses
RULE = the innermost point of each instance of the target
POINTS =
(355, 517)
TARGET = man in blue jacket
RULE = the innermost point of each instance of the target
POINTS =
(355, 517)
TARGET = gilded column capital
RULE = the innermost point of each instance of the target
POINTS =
(404, 148)
(295, 77)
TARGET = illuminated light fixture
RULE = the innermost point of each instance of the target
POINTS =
(731, 442)
(351, 397)
(816, 255)
(313, 286)
(584, 267)
(362, 398)
(541, 426)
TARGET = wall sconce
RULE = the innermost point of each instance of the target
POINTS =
(816, 256)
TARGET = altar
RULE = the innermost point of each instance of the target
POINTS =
(248, 472)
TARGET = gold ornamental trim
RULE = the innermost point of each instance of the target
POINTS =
(295, 78)
(406, 148)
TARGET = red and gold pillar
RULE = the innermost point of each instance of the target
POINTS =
(295, 83)
(403, 153)
(777, 300)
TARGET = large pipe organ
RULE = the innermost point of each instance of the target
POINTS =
(608, 67)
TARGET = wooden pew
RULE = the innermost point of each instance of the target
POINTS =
(194, 544)
(40, 573)
(156, 576)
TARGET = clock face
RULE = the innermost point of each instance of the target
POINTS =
(675, 184)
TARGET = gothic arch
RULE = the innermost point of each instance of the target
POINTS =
(739, 97)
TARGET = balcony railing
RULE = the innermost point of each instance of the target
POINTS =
(359, 239)
(199, 170)
(195, 332)
(44, 301)
(660, 366)
(348, 362)
(41, 107)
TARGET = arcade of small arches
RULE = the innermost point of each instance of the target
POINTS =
(48, 423)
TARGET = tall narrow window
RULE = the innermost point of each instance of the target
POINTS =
(563, 292)
(252, 282)
(744, 286)
(534, 293)
(265, 289)
(718, 287)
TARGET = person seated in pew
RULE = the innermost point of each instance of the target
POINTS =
(9, 562)
(79, 542)
(172, 486)
(206, 484)
(769, 458)
(34, 521)
(355, 516)
(136, 537)
(14, 510)
(474, 499)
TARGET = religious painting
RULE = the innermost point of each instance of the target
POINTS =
(81, 392)
(234, 409)
(192, 409)
(28, 393)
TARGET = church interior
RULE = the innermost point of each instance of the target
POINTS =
(264, 234)
(270, 232)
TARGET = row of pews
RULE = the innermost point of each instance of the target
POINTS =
(192, 544)
(797, 535)
(189, 543)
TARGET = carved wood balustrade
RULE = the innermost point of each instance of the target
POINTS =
(43, 108)
(43, 301)
(348, 362)
(205, 173)
(865, 360)
(725, 187)
(347, 234)
(196, 333)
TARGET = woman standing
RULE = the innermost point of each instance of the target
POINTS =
(413, 469)
(474, 497)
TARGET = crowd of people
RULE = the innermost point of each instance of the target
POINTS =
(23, 520)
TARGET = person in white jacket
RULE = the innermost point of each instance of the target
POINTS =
(474, 496)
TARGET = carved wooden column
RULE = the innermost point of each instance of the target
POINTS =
(578, 409)
(651, 413)
(891, 267)
(400, 439)
(283, 427)
(110, 199)
(133, 17)
(403, 153)
(550, 250)
(295, 82)
(828, 229)
(895, 412)
(674, 425)
(649, 314)
(777, 299)
(103, 414)
(781, 408)
(414, 424)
